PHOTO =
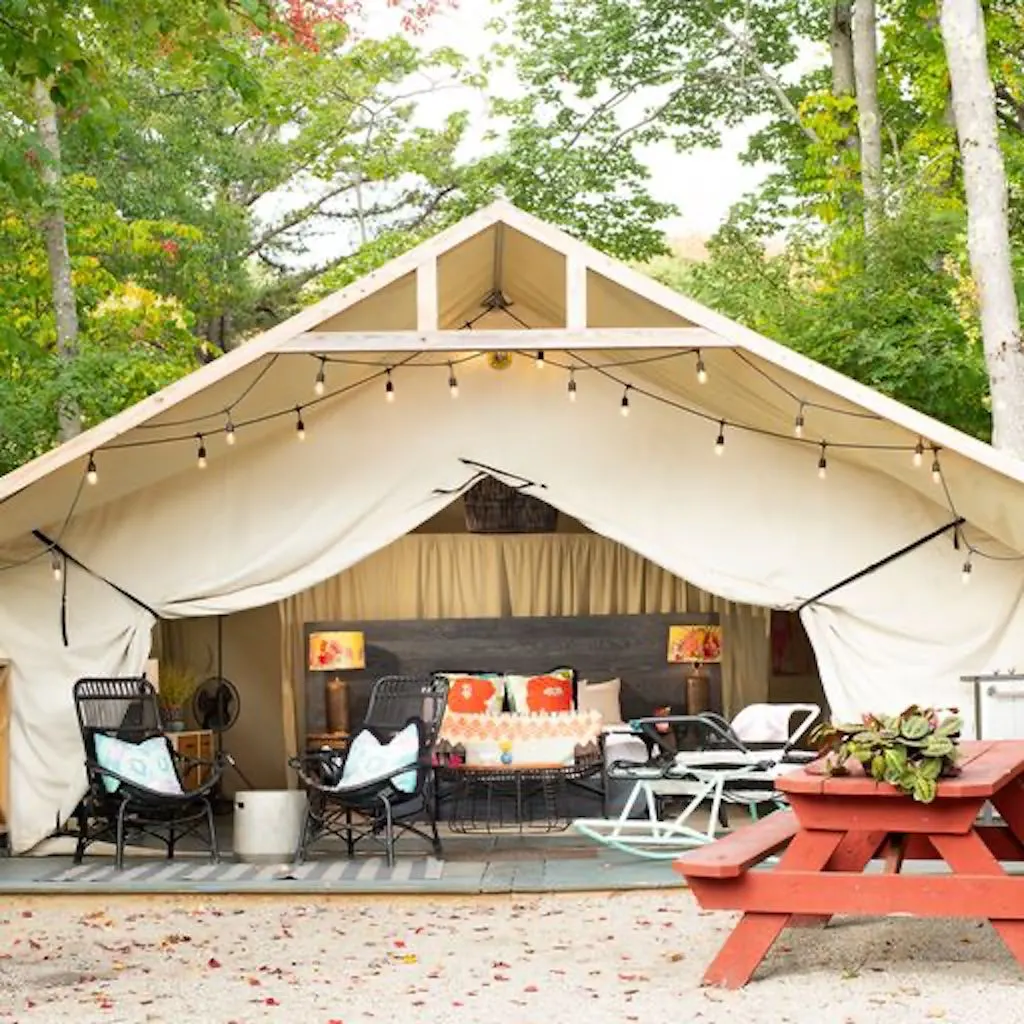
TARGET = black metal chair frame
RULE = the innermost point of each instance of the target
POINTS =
(378, 809)
(128, 709)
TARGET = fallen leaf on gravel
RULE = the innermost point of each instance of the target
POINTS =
(676, 957)
(213, 962)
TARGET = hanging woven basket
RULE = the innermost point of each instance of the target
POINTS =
(494, 507)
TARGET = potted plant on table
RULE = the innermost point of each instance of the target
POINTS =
(911, 750)
(177, 684)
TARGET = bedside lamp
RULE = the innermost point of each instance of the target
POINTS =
(335, 652)
(697, 646)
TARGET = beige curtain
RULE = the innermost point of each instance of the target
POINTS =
(450, 576)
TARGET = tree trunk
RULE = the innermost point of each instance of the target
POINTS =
(865, 64)
(988, 229)
(56, 235)
(841, 42)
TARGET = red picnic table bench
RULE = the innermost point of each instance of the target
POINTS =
(838, 825)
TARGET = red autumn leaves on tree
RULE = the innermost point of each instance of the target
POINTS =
(302, 16)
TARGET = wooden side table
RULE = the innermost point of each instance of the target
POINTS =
(197, 743)
(318, 740)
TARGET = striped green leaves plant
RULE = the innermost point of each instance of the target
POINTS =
(911, 751)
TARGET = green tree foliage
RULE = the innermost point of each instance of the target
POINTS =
(897, 311)
(326, 144)
(197, 182)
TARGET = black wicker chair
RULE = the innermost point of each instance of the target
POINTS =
(128, 709)
(378, 809)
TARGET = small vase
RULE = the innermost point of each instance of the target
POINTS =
(174, 720)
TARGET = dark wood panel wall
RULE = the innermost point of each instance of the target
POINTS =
(599, 647)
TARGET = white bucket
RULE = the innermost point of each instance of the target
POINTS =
(267, 824)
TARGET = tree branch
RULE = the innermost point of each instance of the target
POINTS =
(774, 85)
(296, 218)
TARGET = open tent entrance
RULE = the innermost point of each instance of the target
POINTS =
(326, 447)
(471, 571)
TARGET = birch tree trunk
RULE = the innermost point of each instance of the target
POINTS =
(869, 122)
(56, 235)
(988, 229)
(841, 44)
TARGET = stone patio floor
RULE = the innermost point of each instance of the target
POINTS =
(563, 862)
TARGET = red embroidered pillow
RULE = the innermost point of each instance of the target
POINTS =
(539, 694)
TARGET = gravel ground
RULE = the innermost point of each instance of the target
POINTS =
(508, 960)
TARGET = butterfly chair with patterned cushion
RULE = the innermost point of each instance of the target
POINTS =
(380, 784)
(134, 774)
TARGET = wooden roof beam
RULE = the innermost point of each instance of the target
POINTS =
(556, 339)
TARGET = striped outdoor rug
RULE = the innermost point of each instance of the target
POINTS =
(183, 872)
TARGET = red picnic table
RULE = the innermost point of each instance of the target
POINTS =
(839, 824)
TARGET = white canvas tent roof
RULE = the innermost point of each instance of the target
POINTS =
(269, 517)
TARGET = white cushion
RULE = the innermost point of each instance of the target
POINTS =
(604, 698)
(147, 764)
(370, 759)
(624, 747)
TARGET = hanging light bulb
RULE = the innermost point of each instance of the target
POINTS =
(300, 427)
(540, 361)
(321, 377)
(965, 572)
(571, 386)
(936, 469)
(90, 471)
(702, 372)
(624, 406)
(798, 423)
(918, 453)
(55, 565)
(201, 452)
(720, 440)
(229, 431)
(453, 384)
(822, 463)
(389, 389)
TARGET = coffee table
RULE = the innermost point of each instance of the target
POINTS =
(485, 799)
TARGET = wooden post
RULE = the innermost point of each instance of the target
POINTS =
(5, 744)
(575, 292)
(426, 295)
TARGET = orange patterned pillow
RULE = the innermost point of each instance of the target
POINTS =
(473, 695)
(539, 694)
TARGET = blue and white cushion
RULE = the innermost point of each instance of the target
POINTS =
(370, 759)
(147, 764)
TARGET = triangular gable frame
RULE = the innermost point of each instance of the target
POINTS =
(299, 334)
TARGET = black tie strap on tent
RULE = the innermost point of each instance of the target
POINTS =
(54, 546)
(888, 559)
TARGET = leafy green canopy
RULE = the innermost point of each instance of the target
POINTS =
(609, 79)
(196, 184)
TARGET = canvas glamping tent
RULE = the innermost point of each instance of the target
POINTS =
(706, 477)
